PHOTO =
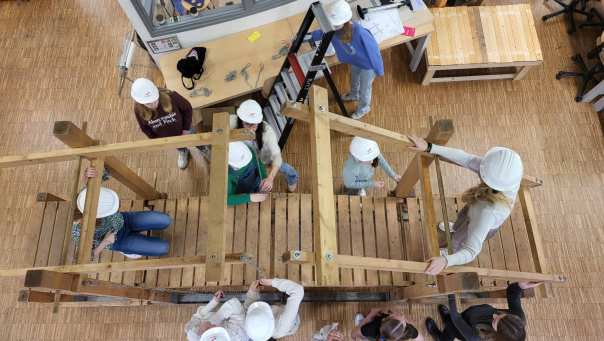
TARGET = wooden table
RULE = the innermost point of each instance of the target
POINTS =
(482, 37)
(233, 52)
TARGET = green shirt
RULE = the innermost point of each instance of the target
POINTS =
(112, 223)
(234, 198)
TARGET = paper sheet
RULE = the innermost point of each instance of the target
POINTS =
(383, 24)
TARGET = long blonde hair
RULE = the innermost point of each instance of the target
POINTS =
(484, 193)
(165, 101)
(345, 33)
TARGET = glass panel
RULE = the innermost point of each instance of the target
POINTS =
(175, 11)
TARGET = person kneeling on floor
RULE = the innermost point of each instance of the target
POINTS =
(246, 174)
(265, 145)
(120, 231)
(264, 322)
(360, 167)
(383, 324)
(226, 324)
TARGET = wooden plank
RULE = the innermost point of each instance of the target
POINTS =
(190, 245)
(497, 257)
(34, 226)
(293, 233)
(306, 234)
(523, 247)
(45, 235)
(280, 237)
(88, 224)
(428, 212)
(147, 145)
(414, 237)
(396, 246)
(534, 235)
(509, 246)
(239, 242)
(440, 133)
(324, 206)
(369, 237)
(370, 263)
(163, 276)
(118, 277)
(58, 234)
(202, 234)
(151, 276)
(264, 236)
(382, 237)
(251, 241)
(356, 231)
(229, 225)
(344, 237)
(178, 239)
(219, 170)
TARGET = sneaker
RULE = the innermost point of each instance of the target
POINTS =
(432, 328)
(183, 158)
(358, 318)
(350, 98)
(362, 192)
(360, 113)
(441, 226)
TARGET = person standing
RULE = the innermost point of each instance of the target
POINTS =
(163, 113)
(360, 166)
(262, 321)
(356, 46)
(229, 318)
(488, 204)
(266, 145)
(483, 322)
(246, 175)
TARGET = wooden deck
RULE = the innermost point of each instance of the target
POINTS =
(367, 226)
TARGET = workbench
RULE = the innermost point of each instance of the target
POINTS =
(233, 52)
(483, 37)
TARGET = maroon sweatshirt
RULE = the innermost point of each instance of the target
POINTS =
(166, 124)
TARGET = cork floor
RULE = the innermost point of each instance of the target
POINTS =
(57, 62)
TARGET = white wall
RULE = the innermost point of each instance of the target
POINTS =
(197, 36)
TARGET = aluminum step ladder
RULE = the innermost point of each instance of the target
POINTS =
(299, 71)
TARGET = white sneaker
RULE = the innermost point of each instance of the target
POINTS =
(441, 226)
(360, 113)
(183, 158)
(350, 98)
(358, 318)
(362, 192)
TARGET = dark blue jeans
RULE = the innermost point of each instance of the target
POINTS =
(129, 240)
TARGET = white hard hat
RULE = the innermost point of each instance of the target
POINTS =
(259, 321)
(239, 154)
(339, 12)
(215, 334)
(144, 91)
(250, 112)
(364, 149)
(109, 202)
(501, 169)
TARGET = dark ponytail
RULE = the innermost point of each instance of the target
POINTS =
(375, 162)
(259, 132)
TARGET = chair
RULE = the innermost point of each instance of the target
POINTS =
(587, 75)
(575, 6)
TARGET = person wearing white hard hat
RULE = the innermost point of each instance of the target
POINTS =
(263, 321)
(359, 169)
(246, 174)
(266, 145)
(488, 204)
(229, 319)
(356, 46)
(163, 113)
(120, 231)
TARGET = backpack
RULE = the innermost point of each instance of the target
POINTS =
(191, 66)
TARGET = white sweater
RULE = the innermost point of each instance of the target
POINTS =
(230, 316)
(270, 154)
(483, 216)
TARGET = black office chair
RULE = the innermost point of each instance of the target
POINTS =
(587, 75)
(575, 6)
(595, 20)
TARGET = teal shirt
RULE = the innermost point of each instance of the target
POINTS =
(234, 198)
(112, 223)
(359, 175)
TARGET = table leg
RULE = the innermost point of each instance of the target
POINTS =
(428, 76)
(418, 52)
(522, 72)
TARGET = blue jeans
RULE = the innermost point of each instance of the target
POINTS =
(290, 173)
(129, 240)
(361, 81)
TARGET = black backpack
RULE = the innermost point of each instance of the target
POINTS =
(191, 66)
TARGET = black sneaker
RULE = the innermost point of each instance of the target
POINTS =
(433, 328)
(443, 310)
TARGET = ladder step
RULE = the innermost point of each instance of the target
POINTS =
(274, 103)
(289, 85)
(271, 120)
(281, 94)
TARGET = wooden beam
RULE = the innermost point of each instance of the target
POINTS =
(131, 265)
(428, 212)
(75, 284)
(324, 215)
(219, 172)
(440, 133)
(122, 147)
(298, 257)
(448, 284)
(34, 296)
(88, 224)
(74, 137)
(44, 197)
(368, 263)
(348, 126)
